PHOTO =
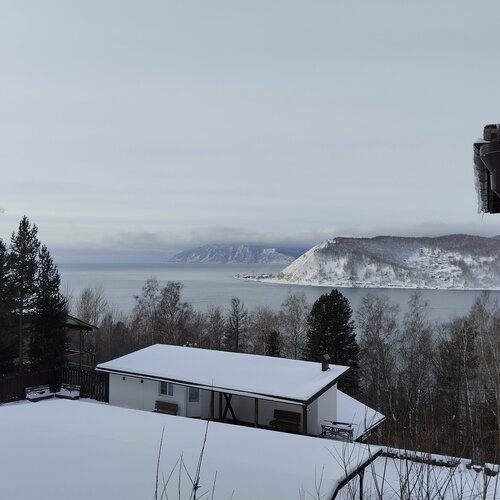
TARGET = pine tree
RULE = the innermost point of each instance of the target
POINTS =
(48, 338)
(23, 264)
(331, 331)
(7, 323)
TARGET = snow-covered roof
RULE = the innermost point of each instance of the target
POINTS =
(247, 374)
(361, 417)
(47, 445)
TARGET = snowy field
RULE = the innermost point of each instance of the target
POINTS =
(393, 479)
(61, 449)
(96, 451)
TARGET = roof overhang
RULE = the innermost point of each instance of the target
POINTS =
(225, 390)
(277, 379)
(73, 323)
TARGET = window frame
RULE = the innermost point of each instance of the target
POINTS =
(193, 399)
(170, 389)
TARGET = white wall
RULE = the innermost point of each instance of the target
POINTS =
(313, 426)
(126, 392)
(327, 406)
(130, 392)
(134, 392)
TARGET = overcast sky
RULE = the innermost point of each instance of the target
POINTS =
(158, 124)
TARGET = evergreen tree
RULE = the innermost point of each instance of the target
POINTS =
(23, 264)
(48, 338)
(7, 323)
(331, 331)
(273, 344)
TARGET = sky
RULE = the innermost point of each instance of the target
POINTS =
(162, 125)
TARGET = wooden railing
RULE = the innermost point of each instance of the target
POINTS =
(94, 385)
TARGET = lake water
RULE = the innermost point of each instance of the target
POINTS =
(206, 285)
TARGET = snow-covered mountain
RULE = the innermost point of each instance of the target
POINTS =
(454, 261)
(238, 254)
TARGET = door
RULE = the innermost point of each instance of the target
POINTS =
(193, 402)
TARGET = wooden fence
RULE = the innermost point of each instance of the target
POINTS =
(94, 385)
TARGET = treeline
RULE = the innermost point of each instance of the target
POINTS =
(32, 309)
(437, 384)
(161, 315)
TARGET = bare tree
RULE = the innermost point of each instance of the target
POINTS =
(263, 321)
(484, 319)
(174, 314)
(377, 325)
(145, 319)
(91, 305)
(293, 318)
(416, 354)
(236, 326)
(215, 325)
(455, 390)
(115, 338)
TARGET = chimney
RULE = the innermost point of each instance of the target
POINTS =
(324, 362)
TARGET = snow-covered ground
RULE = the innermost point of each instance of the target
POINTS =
(62, 449)
(393, 478)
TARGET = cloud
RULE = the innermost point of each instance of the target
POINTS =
(169, 242)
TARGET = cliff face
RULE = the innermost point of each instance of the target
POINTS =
(455, 261)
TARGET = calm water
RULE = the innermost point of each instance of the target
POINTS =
(206, 285)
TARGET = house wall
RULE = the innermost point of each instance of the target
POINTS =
(313, 426)
(327, 406)
(130, 392)
(133, 392)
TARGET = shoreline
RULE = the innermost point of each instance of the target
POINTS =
(276, 281)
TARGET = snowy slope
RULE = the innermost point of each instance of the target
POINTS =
(61, 450)
(454, 261)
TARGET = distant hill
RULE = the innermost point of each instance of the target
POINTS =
(239, 254)
(454, 261)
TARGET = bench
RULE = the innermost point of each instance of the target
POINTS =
(284, 420)
(38, 393)
(69, 391)
(166, 407)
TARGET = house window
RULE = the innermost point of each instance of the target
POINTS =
(166, 389)
(193, 395)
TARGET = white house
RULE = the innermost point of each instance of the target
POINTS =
(248, 389)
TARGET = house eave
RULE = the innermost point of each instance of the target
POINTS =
(226, 390)
(327, 387)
